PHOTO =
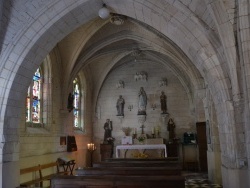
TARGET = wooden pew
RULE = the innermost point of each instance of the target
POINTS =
(142, 159)
(125, 174)
(116, 181)
(150, 171)
(136, 164)
(32, 170)
(39, 172)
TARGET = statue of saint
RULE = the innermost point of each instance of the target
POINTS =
(171, 128)
(163, 99)
(70, 105)
(107, 130)
(120, 106)
(142, 102)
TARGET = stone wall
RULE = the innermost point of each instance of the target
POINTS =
(178, 103)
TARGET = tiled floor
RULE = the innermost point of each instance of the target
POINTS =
(198, 180)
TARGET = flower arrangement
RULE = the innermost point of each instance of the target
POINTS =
(126, 130)
(140, 155)
(141, 138)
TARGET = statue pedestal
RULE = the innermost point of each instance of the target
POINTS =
(141, 120)
(106, 151)
(120, 118)
(164, 117)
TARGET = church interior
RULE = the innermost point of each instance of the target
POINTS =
(87, 80)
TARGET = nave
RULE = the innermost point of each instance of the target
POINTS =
(135, 173)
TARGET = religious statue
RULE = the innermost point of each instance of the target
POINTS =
(70, 105)
(171, 129)
(107, 130)
(163, 99)
(142, 102)
(120, 106)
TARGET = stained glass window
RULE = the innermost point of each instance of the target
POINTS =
(77, 103)
(33, 101)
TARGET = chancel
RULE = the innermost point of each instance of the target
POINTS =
(75, 72)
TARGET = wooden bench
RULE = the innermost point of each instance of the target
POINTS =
(125, 174)
(136, 164)
(141, 159)
(151, 171)
(37, 172)
(116, 181)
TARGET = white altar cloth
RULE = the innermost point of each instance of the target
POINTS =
(140, 147)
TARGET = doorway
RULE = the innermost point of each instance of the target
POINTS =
(202, 145)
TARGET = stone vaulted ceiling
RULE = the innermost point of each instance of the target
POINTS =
(118, 44)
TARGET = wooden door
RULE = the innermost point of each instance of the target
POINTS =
(202, 145)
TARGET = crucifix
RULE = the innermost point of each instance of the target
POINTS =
(142, 129)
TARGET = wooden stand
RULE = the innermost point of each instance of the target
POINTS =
(106, 151)
(190, 160)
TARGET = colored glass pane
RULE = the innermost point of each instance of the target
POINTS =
(76, 102)
(33, 106)
(28, 109)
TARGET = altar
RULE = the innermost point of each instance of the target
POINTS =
(142, 148)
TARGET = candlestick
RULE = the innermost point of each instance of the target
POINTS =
(91, 148)
(153, 130)
(153, 135)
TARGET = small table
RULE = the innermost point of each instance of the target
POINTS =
(140, 147)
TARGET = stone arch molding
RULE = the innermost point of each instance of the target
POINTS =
(53, 21)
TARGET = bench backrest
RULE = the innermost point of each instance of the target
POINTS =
(43, 169)
(29, 169)
(117, 181)
(152, 171)
(50, 165)
(136, 164)
(142, 159)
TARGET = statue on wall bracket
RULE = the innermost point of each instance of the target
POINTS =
(70, 105)
(120, 106)
(163, 100)
(142, 102)
(171, 129)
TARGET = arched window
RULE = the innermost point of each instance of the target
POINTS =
(78, 124)
(33, 100)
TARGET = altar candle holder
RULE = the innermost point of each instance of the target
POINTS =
(91, 149)
(153, 135)
(134, 136)
(158, 134)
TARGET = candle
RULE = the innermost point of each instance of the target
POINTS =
(153, 130)
(135, 130)
(91, 146)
